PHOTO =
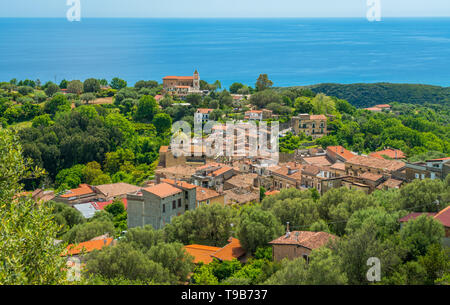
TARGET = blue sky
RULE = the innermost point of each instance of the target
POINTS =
(224, 8)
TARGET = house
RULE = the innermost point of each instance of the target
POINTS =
(241, 196)
(213, 175)
(208, 196)
(390, 183)
(202, 115)
(361, 164)
(286, 176)
(158, 204)
(298, 244)
(389, 154)
(318, 161)
(201, 254)
(433, 169)
(193, 156)
(244, 181)
(374, 109)
(339, 153)
(115, 190)
(83, 194)
(386, 107)
(258, 115)
(311, 125)
(443, 217)
(182, 85)
(79, 249)
(206, 254)
(178, 172)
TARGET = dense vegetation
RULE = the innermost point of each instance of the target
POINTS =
(366, 95)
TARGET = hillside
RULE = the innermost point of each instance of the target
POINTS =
(366, 95)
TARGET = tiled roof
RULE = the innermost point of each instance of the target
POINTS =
(100, 205)
(319, 160)
(83, 189)
(163, 149)
(371, 176)
(234, 196)
(221, 171)
(317, 117)
(414, 216)
(201, 253)
(179, 77)
(383, 106)
(117, 189)
(341, 151)
(310, 240)
(205, 193)
(242, 180)
(391, 183)
(163, 190)
(182, 184)
(373, 109)
(310, 170)
(440, 159)
(338, 166)
(391, 153)
(388, 165)
(87, 246)
(230, 251)
(270, 193)
(204, 110)
(444, 217)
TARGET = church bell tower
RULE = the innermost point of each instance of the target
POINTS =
(196, 80)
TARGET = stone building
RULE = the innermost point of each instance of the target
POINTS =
(433, 169)
(311, 125)
(182, 85)
(158, 204)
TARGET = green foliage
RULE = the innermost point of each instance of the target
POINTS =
(147, 107)
(162, 122)
(263, 82)
(86, 231)
(257, 227)
(91, 85)
(118, 84)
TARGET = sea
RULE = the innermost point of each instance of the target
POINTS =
(293, 52)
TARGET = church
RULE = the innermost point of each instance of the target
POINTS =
(182, 85)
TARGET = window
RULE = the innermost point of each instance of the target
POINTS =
(179, 203)
(164, 208)
(186, 207)
(423, 176)
(174, 204)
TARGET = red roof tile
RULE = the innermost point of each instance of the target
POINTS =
(391, 153)
(341, 151)
(163, 190)
(230, 251)
(87, 246)
(201, 253)
(181, 184)
(444, 217)
(307, 239)
(83, 189)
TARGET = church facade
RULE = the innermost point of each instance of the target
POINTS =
(182, 85)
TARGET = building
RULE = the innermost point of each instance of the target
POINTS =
(206, 254)
(389, 153)
(213, 175)
(158, 204)
(339, 153)
(432, 169)
(202, 115)
(167, 158)
(97, 243)
(201, 254)
(207, 196)
(298, 244)
(386, 107)
(286, 176)
(258, 115)
(115, 190)
(83, 194)
(182, 85)
(361, 164)
(311, 125)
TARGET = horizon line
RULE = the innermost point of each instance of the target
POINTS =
(226, 17)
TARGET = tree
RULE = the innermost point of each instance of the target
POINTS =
(58, 103)
(28, 254)
(235, 87)
(207, 225)
(51, 89)
(418, 234)
(124, 261)
(146, 109)
(263, 82)
(42, 121)
(117, 83)
(75, 87)
(257, 227)
(162, 122)
(144, 238)
(116, 208)
(422, 195)
(63, 84)
(91, 85)
(263, 98)
(88, 97)
(203, 275)
(86, 231)
(436, 262)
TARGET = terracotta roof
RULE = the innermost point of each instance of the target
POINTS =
(270, 193)
(317, 117)
(242, 180)
(388, 165)
(371, 176)
(182, 184)
(183, 87)
(254, 111)
(373, 109)
(383, 106)
(307, 239)
(205, 193)
(230, 251)
(311, 170)
(221, 171)
(236, 196)
(117, 189)
(391, 183)
(440, 159)
(83, 189)
(414, 216)
(444, 217)
(204, 110)
(201, 253)
(341, 151)
(179, 77)
(391, 153)
(338, 166)
(163, 149)
(101, 205)
(87, 246)
(319, 160)
(163, 190)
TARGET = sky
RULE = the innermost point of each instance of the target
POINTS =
(224, 8)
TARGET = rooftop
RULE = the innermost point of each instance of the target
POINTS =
(201, 253)
(388, 165)
(83, 189)
(318, 160)
(307, 239)
(117, 189)
(230, 251)
(163, 190)
(391, 153)
(341, 151)
(182, 184)
(205, 193)
(87, 246)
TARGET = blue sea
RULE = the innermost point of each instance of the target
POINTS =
(290, 51)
